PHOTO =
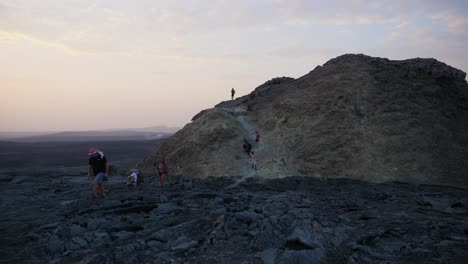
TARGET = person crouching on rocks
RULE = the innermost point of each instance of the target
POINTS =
(133, 178)
(161, 168)
(97, 162)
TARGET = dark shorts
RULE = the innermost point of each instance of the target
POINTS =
(100, 177)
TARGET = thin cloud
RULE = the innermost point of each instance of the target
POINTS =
(222, 59)
(295, 52)
(393, 36)
(454, 22)
(16, 36)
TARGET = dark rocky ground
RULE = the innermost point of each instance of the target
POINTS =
(50, 217)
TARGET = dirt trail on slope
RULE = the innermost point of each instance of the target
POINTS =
(249, 134)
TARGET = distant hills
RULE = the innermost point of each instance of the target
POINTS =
(148, 133)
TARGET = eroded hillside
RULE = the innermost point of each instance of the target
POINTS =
(356, 116)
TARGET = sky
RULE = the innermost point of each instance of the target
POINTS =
(88, 65)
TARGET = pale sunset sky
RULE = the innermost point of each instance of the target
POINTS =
(86, 65)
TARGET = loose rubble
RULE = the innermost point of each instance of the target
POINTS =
(53, 219)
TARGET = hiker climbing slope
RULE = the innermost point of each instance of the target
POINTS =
(247, 147)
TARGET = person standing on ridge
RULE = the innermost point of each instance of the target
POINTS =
(161, 168)
(97, 162)
(233, 92)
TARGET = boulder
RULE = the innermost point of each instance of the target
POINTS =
(302, 256)
(75, 230)
(183, 243)
(163, 198)
(55, 245)
(301, 238)
(247, 217)
(185, 246)
(269, 256)
(101, 238)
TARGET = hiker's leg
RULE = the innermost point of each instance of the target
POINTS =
(101, 189)
(99, 180)
(162, 179)
(95, 189)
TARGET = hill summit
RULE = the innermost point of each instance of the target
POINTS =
(356, 117)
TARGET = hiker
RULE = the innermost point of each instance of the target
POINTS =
(247, 147)
(254, 160)
(133, 179)
(161, 168)
(97, 162)
(233, 92)
(257, 137)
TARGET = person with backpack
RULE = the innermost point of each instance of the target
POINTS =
(233, 92)
(247, 147)
(161, 168)
(98, 165)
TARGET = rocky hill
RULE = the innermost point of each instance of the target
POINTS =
(356, 116)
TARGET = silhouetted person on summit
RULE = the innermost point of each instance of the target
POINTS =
(233, 92)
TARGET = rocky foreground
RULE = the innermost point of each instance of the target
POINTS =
(51, 218)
